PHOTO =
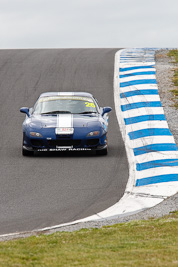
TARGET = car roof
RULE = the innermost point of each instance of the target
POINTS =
(66, 93)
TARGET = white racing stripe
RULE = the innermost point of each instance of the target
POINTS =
(65, 120)
(66, 93)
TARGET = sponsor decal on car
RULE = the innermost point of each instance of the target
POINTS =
(53, 98)
(64, 130)
(64, 149)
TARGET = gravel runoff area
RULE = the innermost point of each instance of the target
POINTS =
(164, 74)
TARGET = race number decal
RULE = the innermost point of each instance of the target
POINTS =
(90, 105)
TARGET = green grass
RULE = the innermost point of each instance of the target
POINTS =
(137, 243)
(174, 55)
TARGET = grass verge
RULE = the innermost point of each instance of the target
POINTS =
(137, 243)
(174, 54)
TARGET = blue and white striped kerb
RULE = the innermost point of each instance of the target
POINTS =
(154, 149)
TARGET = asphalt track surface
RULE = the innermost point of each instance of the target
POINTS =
(50, 189)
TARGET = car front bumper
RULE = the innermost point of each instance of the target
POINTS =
(64, 148)
(66, 144)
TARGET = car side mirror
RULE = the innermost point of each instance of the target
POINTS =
(106, 110)
(25, 110)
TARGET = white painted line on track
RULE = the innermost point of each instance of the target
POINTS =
(139, 98)
(142, 111)
(146, 125)
(138, 70)
(137, 77)
(156, 171)
(151, 140)
(156, 156)
(139, 87)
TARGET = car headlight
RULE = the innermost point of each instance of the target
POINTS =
(95, 133)
(34, 134)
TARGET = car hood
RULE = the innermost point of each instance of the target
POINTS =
(65, 120)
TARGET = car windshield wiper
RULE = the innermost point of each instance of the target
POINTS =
(87, 112)
(56, 112)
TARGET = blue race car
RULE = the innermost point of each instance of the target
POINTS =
(65, 121)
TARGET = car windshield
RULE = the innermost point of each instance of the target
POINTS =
(65, 104)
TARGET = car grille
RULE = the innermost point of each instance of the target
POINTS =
(92, 142)
(58, 142)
